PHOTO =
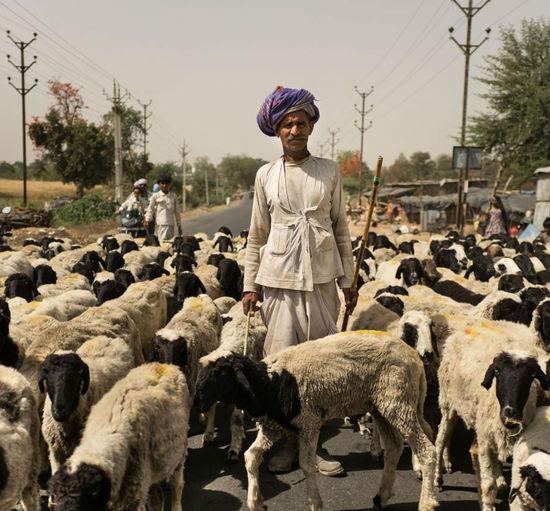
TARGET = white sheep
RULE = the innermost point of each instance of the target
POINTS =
(207, 275)
(295, 391)
(143, 419)
(496, 417)
(19, 434)
(15, 262)
(191, 334)
(66, 306)
(68, 282)
(531, 460)
(224, 304)
(91, 371)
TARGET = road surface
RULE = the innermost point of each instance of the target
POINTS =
(235, 216)
(212, 483)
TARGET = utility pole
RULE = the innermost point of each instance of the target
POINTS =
(206, 185)
(363, 113)
(322, 148)
(184, 151)
(117, 101)
(468, 49)
(23, 91)
(145, 129)
(333, 142)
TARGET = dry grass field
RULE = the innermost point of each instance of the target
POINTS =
(11, 191)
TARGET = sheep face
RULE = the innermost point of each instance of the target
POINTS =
(114, 261)
(183, 262)
(64, 377)
(151, 241)
(446, 258)
(182, 247)
(162, 257)
(511, 283)
(214, 259)
(537, 486)
(418, 334)
(411, 271)
(394, 290)
(128, 246)
(224, 244)
(229, 275)
(92, 258)
(505, 309)
(44, 274)
(170, 351)
(84, 269)
(109, 244)
(483, 268)
(188, 284)
(19, 284)
(514, 374)
(152, 271)
(108, 290)
(88, 488)
(526, 267)
(392, 303)
(125, 277)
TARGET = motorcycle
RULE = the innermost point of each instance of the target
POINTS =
(131, 222)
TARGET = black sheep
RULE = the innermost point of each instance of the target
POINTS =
(21, 285)
(108, 290)
(228, 275)
(114, 261)
(128, 246)
(456, 292)
(187, 284)
(9, 352)
(44, 274)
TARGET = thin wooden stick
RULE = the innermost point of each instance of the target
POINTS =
(245, 351)
(375, 185)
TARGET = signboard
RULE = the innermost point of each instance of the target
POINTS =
(466, 158)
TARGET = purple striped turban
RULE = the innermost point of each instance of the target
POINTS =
(281, 102)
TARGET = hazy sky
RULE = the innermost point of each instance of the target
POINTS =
(208, 64)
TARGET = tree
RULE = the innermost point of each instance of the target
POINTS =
(238, 172)
(203, 165)
(80, 152)
(516, 127)
(444, 167)
(348, 163)
(422, 165)
(400, 170)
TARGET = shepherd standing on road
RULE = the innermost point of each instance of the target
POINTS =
(164, 209)
(299, 244)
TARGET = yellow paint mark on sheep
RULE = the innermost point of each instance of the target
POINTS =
(493, 328)
(367, 332)
(472, 332)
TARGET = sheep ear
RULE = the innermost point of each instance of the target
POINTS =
(165, 272)
(468, 271)
(173, 263)
(489, 375)
(203, 289)
(399, 272)
(244, 383)
(85, 378)
(42, 374)
(542, 378)
(434, 340)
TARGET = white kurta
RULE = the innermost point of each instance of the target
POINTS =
(164, 209)
(298, 245)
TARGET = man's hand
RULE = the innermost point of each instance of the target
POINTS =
(146, 223)
(249, 302)
(351, 298)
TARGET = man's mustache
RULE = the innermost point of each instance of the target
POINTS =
(291, 138)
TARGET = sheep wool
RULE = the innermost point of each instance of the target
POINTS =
(19, 433)
(143, 418)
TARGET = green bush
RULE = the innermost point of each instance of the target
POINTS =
(91, 208)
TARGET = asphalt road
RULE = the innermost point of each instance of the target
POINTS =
(235, 216)
(213, 483)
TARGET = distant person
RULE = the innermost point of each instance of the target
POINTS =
(156, 188)
(498, 220)
(389, 211)
(135, 201)
(164, 209)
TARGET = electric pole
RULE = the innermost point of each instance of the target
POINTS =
(363, 113)
(184, 151)
(23, 91)
(117, 101)
(322, 148)
(206, 185)
(468, 49)
(146, 129)
(333, 142)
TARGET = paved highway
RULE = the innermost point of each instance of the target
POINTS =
(212, 483)
(236, 216)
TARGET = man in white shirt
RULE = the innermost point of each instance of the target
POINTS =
(299, 244)
(164, 209)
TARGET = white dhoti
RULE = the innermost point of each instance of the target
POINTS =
(165, 232)
(293, 317)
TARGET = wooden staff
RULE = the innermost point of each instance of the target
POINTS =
(375, 185)
(246, 334)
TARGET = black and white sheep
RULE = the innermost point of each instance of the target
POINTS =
(74, 382)
(530, 487)
(296, 390)
(143, 419)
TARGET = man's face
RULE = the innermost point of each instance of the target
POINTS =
(137, 193)
(164, 187)
(294, 131)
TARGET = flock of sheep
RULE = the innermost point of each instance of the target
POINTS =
(104, 350)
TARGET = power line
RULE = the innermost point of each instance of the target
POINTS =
(333, 141)
(363, 113)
